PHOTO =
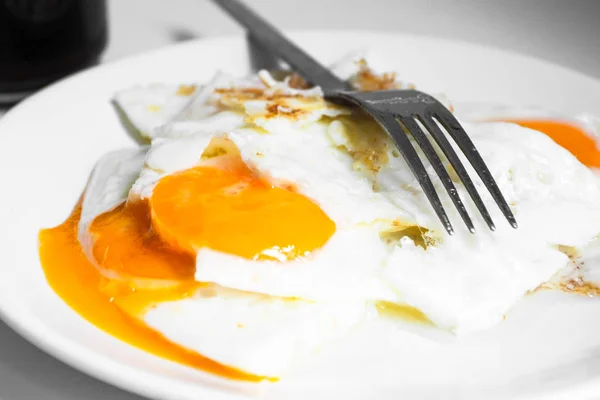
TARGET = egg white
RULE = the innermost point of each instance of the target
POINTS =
(108, 186)
(265, 336)
(467, 282)
(146, 108)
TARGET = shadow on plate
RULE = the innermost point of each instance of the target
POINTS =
(179, 34)
(28, 373)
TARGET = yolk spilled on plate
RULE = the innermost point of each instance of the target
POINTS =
(144, 251)
(569, 136)
(91, 295)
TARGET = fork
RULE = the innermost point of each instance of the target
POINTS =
(399, 112)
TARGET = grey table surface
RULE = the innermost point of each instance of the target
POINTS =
(566, 32)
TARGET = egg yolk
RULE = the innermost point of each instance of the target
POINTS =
(144, 252)
(237, 213)
(568, 136)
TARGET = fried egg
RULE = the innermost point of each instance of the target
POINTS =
(257, 334)
(466, 282)
(352, 148)
(348, 211)
(282, 139)
(344, 223)
(261, 222)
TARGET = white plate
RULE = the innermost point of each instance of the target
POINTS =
(548, 347)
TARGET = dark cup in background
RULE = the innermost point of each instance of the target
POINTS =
(44, 40)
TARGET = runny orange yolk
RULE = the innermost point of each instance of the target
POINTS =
(569, 136)
(105, 303)
(236, 213)
(144, 252)
(126, 243)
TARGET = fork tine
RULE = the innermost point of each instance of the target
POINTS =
(468, 148)
(452, 157)
(391, 125)
(415, 130)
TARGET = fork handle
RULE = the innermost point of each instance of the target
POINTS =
(274, 41)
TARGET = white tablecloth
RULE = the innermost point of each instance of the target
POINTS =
(561, 31)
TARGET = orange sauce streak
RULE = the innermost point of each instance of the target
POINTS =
(97, 299)
(569, 136)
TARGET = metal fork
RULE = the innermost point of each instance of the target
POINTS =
(399, 112)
